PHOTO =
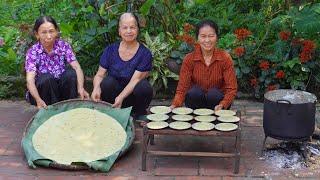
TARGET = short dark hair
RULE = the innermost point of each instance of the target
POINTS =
(42, 20)
(134, 16)
(207, 22)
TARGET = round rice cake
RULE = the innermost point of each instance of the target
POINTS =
(157, 117)
(225, 113)
(79, 135)
(160, 109)
(205, 118)
(182, 110)
(226, 126)
(179, 125)
(182, 117)
(157, 125)
(202, 126)
(203, 112)
(229, 119)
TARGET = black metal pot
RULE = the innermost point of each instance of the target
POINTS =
(289, 114)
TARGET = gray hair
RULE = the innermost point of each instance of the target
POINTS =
(129, 14)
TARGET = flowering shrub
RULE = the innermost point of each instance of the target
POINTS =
(185, 42)
(290, 62)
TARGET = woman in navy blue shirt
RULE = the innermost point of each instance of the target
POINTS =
(127, 64)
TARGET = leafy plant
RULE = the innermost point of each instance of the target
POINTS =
(160, 52)
(91, 25)
(186, 45)
(287, 63)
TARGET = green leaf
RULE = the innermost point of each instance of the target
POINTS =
(316, 8)
(145, 8)
(176, 54)
(3, 54)
(112, 23)
(102, 30)
(238, 72)
(102, 10)
(291, 63)
(245, 69)
(66, 28)
(91, 31)
(165, 82)
(201, 2)
(11, 54)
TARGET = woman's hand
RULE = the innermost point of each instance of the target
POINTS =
(117, 102)
(218, 107)
(41, 104)
(172, 107)
(83, 94)
(96, 93)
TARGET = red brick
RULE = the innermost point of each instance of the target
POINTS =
(14, 116)
(242, 178)
(152, 177)
(14, 149)
(256, 167)
(252, 133)
(176, 166)
(16, 177)
(219, 167)
(254, 120)
(307, 173)
(251, 149)
(198, 178)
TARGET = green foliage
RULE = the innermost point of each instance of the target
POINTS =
(304, 20)
(8, 57)
(227, 41)
(11, 86)
(145, 8)
(160, 52)
(91, 25)
(4, 89)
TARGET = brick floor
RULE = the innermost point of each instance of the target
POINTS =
(14, 117)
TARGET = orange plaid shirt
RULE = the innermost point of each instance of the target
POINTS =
(219, 74)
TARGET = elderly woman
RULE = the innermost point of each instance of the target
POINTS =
(127, 64)
(207, 76)
(48, 79)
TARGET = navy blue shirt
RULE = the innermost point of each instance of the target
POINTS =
(123, 70)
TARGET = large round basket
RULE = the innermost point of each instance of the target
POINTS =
(75, 103)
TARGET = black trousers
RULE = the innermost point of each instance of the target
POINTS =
(53, 90)
(198, 98)
(140, 98)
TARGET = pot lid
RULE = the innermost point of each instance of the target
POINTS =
(291, 95)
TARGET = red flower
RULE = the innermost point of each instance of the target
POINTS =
(305, 56)
(254, 82)
(308, 47)
(179, 37)
(242, 33)
(280, 74)
(187, 27)
(271, 87)
(186, 38)
(264, 65)
(284, 35)
(239, 51)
